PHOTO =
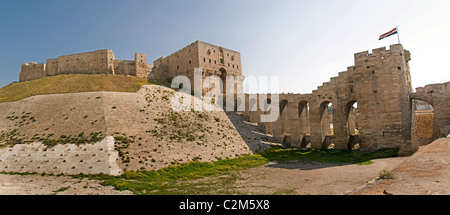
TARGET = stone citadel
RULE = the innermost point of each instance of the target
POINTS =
(379, 83)
(96, 62)
(213, 59)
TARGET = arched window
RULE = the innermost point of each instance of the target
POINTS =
(304, 125)
(352, 126)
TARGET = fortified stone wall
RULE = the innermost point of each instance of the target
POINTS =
(160, 70)
(182, 62)
(51, 67)
(142, 68)
(441, 109)
(379, 82)
(213, 60)
(435, 88)
(427, 128)
(96, 62)
(124, 67)
(67, 159)
(218, 61)
(432, 88)
(32, 71)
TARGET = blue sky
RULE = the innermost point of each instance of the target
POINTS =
(303, 42)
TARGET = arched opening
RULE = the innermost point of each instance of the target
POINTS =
(285, 133)
(354, 142)
(252, 105)
(326, 123)
(252, 110)
(266, 110)
(305, 126)
(283, 105)
(223, 73)
(223, 77)
(238, 104)
(286, 140)
(424, 122)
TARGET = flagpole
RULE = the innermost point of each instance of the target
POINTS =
(398, 36)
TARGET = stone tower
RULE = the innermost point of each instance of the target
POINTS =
(213, 60)
(383, 87)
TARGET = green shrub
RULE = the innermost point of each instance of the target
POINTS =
(385, 175)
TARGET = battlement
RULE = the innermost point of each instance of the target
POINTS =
(94, 62)
(201, 42)
(398, 48)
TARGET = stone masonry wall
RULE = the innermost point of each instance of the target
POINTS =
(142, 68)
(213, 60)
(67, 159)
(32, 71)
(379, 82)
(51, 67)
(124, 67)
(96, 62)
(441, 110)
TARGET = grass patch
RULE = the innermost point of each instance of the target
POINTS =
(326, 156)
(175, 180)
(160, 182)
(71, 84)
(385, 175)
(62, 189)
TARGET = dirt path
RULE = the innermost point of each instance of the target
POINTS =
(296, 178)
(52, 185)
(427, 172)
(293, 178)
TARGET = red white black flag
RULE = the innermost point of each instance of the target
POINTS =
(390, 33)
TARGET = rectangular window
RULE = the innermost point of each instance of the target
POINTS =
(221, 60)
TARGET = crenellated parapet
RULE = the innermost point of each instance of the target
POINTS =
(96, 62)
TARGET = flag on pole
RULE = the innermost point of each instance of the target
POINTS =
(390, 33)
